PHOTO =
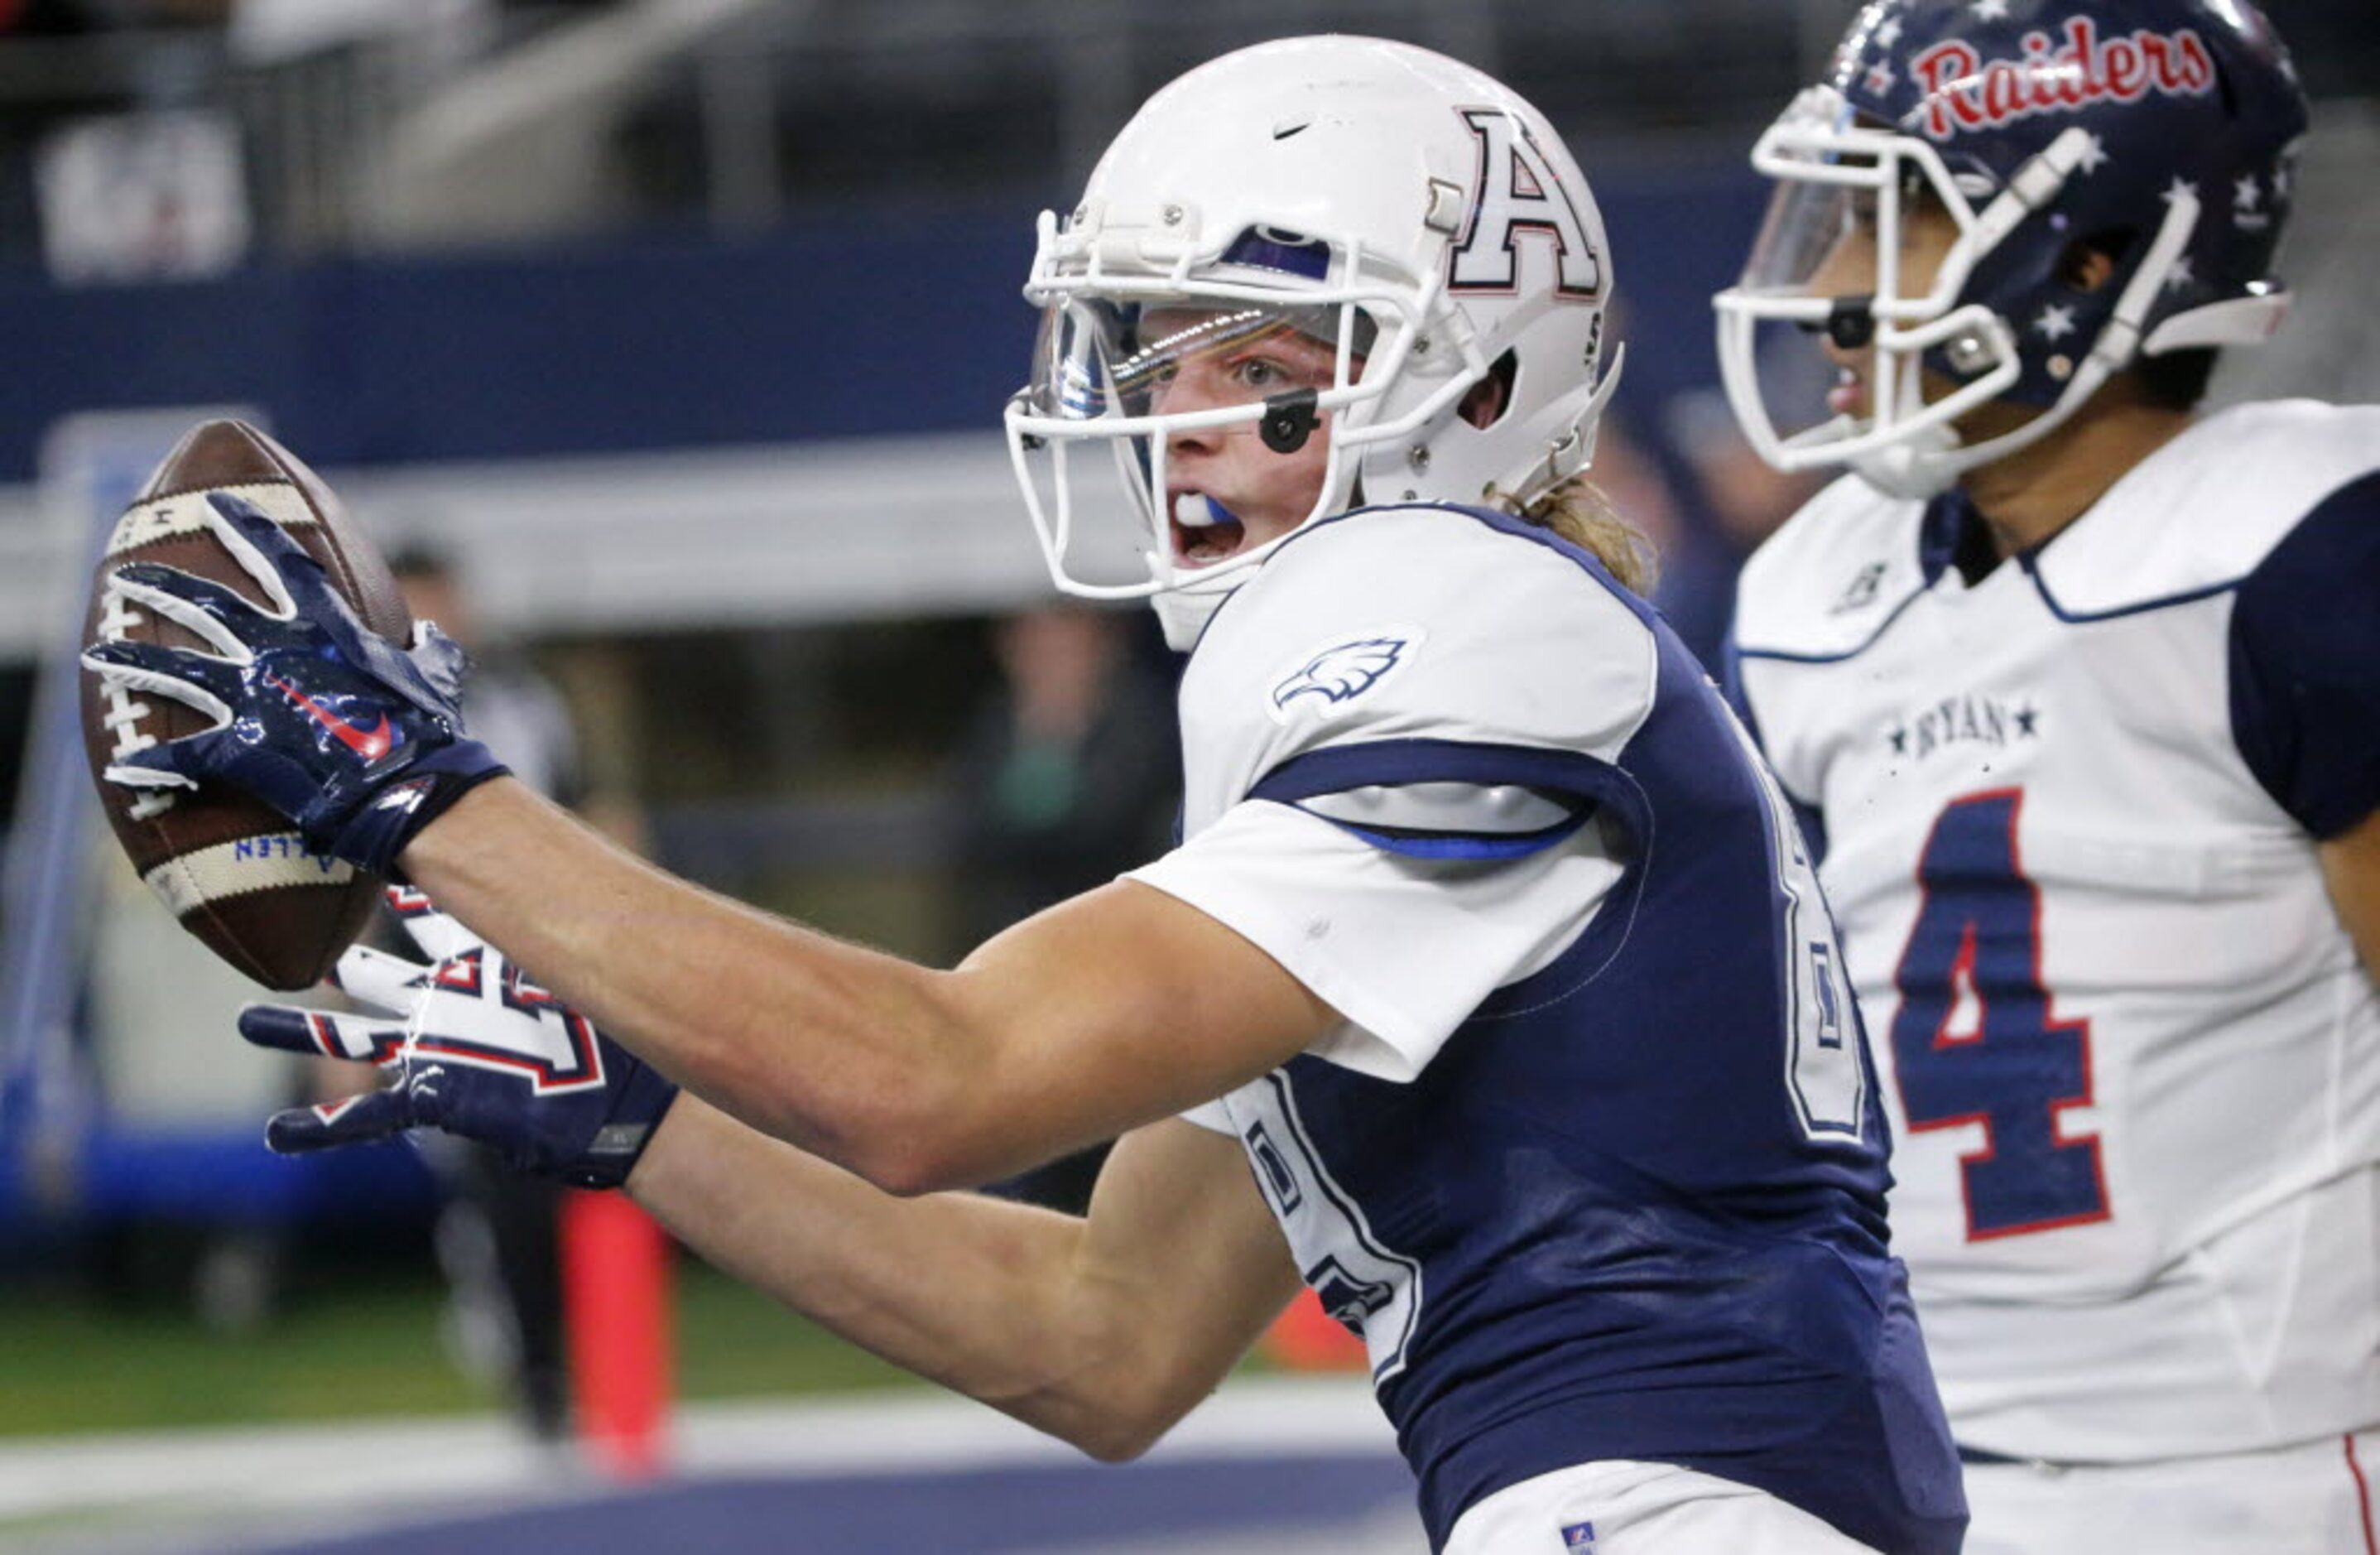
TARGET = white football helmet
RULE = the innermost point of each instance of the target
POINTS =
(1417, 224)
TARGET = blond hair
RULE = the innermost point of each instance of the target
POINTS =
(1577, 512)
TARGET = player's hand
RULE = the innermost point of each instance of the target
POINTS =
(356, 740)
(475, 1050)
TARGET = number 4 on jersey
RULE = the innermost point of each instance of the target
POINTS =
(1975, 1040)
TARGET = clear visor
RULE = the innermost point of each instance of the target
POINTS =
(1099, 358)
(1239, 398)
(1848, 227)
(1854, 277)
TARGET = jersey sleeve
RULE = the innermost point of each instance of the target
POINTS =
(1442, 686)
(1808, 815)
(1400, 743)
(2305, 663)
(1404, 945)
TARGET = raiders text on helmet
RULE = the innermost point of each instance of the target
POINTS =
(2160, 133)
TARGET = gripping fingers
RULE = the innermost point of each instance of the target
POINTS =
(440, 659)
(381, 981)
(205, 608)
(357, 1121)
(135, 772)
(194, 679)
(178, 763)
(264, 551)
(321, 1033)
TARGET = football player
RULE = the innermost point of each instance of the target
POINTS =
(2083, 690)
(1490, 992)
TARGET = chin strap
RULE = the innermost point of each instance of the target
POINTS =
(1570, 449)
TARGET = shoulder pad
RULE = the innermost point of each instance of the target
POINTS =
(1410, 624)
(2201, 512)
(1826, 582)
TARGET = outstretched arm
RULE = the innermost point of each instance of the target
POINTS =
(1101, 1331)
(1110, 1011)
(1118, 1007)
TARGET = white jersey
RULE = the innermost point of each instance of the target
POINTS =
(2131, 1059)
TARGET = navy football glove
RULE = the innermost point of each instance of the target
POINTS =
(358, 741)
(477, 1050)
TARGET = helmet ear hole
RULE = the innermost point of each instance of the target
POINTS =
(2088, 263)
(1488, 400)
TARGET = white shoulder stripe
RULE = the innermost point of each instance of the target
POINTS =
(1500, 810)
(238, 868)
(2203, 511)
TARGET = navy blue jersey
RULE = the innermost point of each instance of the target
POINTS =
(1621, 1199)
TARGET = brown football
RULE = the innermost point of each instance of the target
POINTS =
(233, 872)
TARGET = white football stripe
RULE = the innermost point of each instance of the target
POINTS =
(188, 514)
(237, 869)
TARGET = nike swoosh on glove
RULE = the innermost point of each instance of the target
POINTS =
(358, 741)
(474, 1049)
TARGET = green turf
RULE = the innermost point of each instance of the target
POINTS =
(369, 1345)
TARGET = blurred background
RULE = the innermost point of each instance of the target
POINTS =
(668, 339)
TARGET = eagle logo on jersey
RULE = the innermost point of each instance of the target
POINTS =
(1326, 682)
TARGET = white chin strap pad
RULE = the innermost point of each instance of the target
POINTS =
(1916, 469)
(1184, 616)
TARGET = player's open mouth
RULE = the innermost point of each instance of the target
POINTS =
(1205, 531)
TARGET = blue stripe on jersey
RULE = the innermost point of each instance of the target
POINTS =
(2089, 617)
(1573, 773)
(1630, 1245)
(1473, 846)
(1334, 769)
(1389, 763)
(2305, 663)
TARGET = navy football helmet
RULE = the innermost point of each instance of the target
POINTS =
(2159, 133)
